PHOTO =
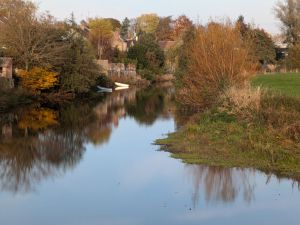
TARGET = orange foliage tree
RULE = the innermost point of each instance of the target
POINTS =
(182, 24)
(217, 59)
(38, 79)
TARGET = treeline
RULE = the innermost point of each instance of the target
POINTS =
(61, 56)
(148, 37)
(214, 57)
(49, 54)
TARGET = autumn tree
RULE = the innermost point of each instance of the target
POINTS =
(288, 12)
(114, 23)
(101, 33)
(30, 39)
(164, 30)
(182, 24)
(217, 58)
(147, 23)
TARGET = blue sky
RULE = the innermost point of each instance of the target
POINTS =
(259, 12)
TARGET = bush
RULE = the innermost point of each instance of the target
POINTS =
(244, 102)
(217, 59)
(37, 79)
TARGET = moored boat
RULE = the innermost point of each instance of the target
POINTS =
(104, 89)
(121, 84)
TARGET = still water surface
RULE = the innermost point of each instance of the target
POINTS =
(93, 163)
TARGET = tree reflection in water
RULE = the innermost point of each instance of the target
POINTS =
(221, 184)
(39, 142)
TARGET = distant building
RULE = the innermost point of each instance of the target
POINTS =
(281, 47)
(84, 27)
(166, 45)
(118, 42)
(6, 67)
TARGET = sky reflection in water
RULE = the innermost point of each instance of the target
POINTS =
(93, 163)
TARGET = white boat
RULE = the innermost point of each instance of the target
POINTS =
(121, 88)
(121, 85)
(104, 89)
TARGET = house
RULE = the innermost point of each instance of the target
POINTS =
(6, 67)
(118, 42)
(166, 45)
(84, 27)
(281, 47)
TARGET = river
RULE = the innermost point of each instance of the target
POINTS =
(93, 163)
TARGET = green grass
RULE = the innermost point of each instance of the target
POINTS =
(220, 140)
(286, 84)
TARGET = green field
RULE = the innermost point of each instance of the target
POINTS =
(286, 84)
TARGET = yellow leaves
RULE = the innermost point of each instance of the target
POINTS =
(38, 118)
(148, 23)
(100, 28)
(38, 79)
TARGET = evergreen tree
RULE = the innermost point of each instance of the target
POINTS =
(79, 71)
(148, 54)
(125, 28)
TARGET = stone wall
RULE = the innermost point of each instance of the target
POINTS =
(120, 70)
(117, 69)
(6, 71)
(6, 67)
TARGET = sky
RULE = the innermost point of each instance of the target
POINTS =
(259, 12)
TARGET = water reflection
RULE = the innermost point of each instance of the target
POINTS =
(226, 185)
(221, 184)
(37, 142)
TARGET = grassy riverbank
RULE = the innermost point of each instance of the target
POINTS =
(268, 139)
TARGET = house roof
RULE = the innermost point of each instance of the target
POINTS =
(165, 45)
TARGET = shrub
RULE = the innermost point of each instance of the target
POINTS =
(244, 102)
(38, 79)
(217, 59)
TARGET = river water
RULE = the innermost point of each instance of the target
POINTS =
(93, 163)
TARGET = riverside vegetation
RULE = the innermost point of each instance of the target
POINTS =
(240, 119)
(56, 60)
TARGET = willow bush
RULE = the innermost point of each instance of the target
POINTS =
(218, 59)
